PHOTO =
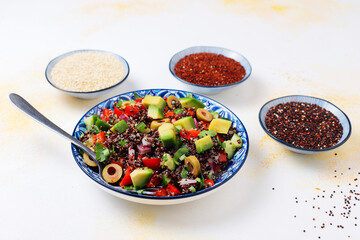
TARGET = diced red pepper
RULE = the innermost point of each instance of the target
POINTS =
(169, 114)
(139, 100)
(131, 110)
(191, 112)
(161, 193)
(172, 190)
(217, 168)
(99, 138)
(209, 182)
(154, 181)
(106, 114)
(118, 111)
(153, 163)
(189, 134)
(222, 157)
(127, 179)
(194, 133)
(205, 124)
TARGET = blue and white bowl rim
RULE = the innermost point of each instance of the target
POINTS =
(237, 158)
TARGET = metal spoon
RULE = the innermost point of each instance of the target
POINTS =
(26, 107)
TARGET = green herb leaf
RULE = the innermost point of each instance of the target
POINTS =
(178, 111)
(201, 180)
(122, 143)
(192, 189)
(218, 141)
(205, 133)
(164, 160)
(120, 101)
(180, 152)
(101, 152)
(140, 191)
(184, 173)
(128, 187)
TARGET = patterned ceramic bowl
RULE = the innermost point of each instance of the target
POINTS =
(90, 94)
(344, 120)
(217, 50)
(233, 167)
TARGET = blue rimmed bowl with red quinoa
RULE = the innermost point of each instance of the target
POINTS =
(161, 146)
(305, 124)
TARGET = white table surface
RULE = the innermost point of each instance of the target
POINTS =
(295, 47)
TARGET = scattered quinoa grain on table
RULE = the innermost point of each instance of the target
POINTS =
(87, 71)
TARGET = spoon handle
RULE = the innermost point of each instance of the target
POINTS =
(26, 107)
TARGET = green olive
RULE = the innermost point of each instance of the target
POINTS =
(204, 115)
(88, 161)
(112, 172)
(193, 163)
(171, 100)
(157, 123)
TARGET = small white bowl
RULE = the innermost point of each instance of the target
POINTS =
(343, 119)
(217, 50)
(90, 94)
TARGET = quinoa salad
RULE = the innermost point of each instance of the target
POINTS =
(172, 145)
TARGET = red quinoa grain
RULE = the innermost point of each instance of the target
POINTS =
(304, 125)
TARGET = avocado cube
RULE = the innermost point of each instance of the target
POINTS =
(220, 125)
(91, 120)
(167, 135)
(119, 127)
(157, 123)
(104, 126)
(140, 177)
(203, 144)
(154, 100)
(169, 162)
(229, 148)
(190, 102)
(155, 112)
(186, 122)
(236, 141)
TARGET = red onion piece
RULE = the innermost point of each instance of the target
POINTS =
(143, 149)
(145, 141)
(187, 181)
(212, 164)
(196, 123)
(131, 152)
(124, 117)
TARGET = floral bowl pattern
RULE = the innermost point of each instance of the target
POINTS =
(233, 167)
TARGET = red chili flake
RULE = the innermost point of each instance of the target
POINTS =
(209, 69)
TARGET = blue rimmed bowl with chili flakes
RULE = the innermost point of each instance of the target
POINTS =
(305, 124)
(209, 70)
(133, 153)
